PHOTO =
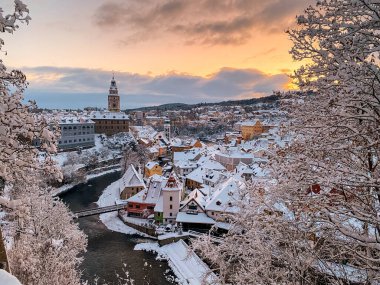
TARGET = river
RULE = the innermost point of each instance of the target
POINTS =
(108, 252)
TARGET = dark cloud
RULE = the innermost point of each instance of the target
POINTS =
(56, 87)
(199, 21)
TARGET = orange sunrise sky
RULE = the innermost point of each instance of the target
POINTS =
(161, 51)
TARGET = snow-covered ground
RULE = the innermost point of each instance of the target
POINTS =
(186, 265)
(109, 197)
(8, 279)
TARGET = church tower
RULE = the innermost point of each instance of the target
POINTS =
(167, 129)
(113, 97)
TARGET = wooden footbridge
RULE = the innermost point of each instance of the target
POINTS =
(100, 210)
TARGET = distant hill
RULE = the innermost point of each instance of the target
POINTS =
(183, 106)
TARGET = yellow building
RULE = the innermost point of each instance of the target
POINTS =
(152, 168)
(251, 129)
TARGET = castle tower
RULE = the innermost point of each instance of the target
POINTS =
(171, 198)
(113, 97)
(167, 129)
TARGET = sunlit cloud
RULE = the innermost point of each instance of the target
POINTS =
(139, 90)
(210, 22)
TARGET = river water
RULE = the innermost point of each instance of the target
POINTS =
(108, 252)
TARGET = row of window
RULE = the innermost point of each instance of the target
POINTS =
(79, 127)
(111, 127)
(138, 206)
(80, 133)
(79, 140)
(114, 122)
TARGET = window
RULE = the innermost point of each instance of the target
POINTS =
(170, 214)
(218, 203)
(137, 206)
(130, 205)
(171, 206)
(171, 198)
(150, 207)
(193, 207)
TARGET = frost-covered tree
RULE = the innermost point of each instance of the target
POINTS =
(18, 126)
(328, 178)
(135, 154)
(45, 243)
(336, 132)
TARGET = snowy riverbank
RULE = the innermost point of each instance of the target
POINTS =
(186, 265)
(110, 196)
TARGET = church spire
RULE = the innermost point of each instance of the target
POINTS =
(113, 86)
(113, 96)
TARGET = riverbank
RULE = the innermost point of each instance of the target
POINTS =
(186, 265)
(110, 196)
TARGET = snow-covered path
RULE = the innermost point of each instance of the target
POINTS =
(186, 265)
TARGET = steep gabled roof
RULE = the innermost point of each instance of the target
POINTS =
(131, 178)
(224, 198)
(196, 196)
(151, 194)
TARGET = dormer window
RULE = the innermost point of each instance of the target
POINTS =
(218, 203)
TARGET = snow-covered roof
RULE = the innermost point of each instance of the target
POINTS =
(153, 149)
(8, 279)
(235, 153)
(212, 175)
(152, 193)
(185, 164)
(196, 175)
(151, 164)
(75, 120)
(159, 205)
(131, 178)
(208, 163)
(250, 123)
(197, 196)
(186, 155)
(243, 168)
(200, 218)
(97, 115)
(144, 132)
(224, 198)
